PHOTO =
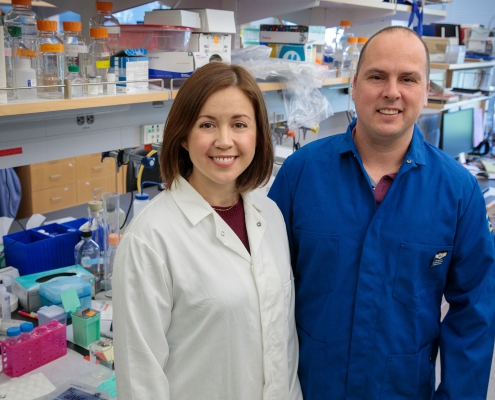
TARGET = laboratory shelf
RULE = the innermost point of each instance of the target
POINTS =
(455, 104)
(466, 65)
(18, 107)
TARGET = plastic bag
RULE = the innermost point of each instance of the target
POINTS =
(304, 104)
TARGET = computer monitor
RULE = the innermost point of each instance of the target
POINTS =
(457, 132)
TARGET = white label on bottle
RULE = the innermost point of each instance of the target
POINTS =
(31, 82)
(105, 54)
(113, 30)
(72, 50)
(87, 262)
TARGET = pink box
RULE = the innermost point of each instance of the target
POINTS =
(155, 37)
(48, 343)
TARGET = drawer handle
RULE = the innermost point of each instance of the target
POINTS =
(56, 198)
(98, 188)
(97, 168)
(55, 176)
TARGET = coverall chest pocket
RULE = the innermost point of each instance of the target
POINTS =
(317, 257)
(421, 271)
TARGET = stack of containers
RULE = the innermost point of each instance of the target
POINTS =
(290, 42)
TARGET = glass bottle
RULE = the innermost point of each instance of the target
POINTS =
(26, 330)
(10, 46)
(361, 42)
(4, 45)
(343, 32)
(23, 16)
(74, 76)
(87, 255)
(98, 54)
(350, 57)
(113, 242)
(14, 335)
(104, 18)
(95, 210)
(50, 69)
(75, 46)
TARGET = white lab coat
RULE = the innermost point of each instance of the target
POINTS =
(195, 315)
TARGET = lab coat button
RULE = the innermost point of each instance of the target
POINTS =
(259, 224)
(408, 161)
(222, 233)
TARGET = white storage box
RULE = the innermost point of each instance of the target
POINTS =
(214, 46)
(168, 65)
(290, 34)
(215, 21)
(185, 18)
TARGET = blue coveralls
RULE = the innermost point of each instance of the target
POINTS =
(369, 280)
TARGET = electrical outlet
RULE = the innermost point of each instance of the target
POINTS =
(152, 133)
(90, 119)
(80, 120)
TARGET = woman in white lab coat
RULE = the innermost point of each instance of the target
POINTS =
(203, 293)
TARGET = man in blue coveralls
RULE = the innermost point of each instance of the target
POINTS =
(381, 224)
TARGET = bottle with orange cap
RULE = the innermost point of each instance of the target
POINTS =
(343, 32)
(350, 57)
(361, 42)
(104, 18)
(75, 46)
(99, 53)
(51, 56)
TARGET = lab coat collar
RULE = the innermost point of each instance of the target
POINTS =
(416, 150)
(196, 208)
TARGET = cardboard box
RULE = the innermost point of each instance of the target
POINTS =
(173, 18)
(26, 287)
(291, 34)
(214, 46)
(128, 65)
(169, 65)
(294, 52)
(215, 21)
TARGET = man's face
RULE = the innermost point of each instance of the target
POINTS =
(391, 87)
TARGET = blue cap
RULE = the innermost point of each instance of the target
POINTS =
(13, 331)
(27, 327)
(142, 196)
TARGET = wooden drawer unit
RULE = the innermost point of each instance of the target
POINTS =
(56, 185)
(86, 189)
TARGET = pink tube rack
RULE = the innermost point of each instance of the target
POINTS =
(48, 342)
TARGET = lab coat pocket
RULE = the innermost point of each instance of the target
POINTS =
(421, 272)
(409, 376)
(317, 257)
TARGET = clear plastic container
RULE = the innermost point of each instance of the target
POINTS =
(26, 331)
(113, 243)
(4, 303)
(75, 77)
(99, 53)
(104, 18)
(75, 47)
(23, 16)
(14, 335)
(51, 56)
(4, 45)
(343, 32)
(140, 200)
(155, 37)
(350, 57)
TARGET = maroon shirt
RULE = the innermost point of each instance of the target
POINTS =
(235, 219)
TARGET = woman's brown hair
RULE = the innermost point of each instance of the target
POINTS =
(193, 94)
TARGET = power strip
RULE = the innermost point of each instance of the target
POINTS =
(152, 133)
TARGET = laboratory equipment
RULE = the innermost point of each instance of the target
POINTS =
(24, 63)
(101, 355)
(350, 58)
(52, 292)
(14, 335)
(50, 60)
(457, 132)
(75, 77)
(111, 88)
(87, 254)
(104, 18)
(140, 200)
(6, 67)
(99, 53)
(47, 344)
(86, 326)
(77, 390)
(47, 314)
(92, 89)
(74, 46)
(113, 242)
(343, 32)
(361, 42)
(27, 329)
(4, 303)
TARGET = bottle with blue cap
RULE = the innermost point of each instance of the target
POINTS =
(26, 331)
(140, 200)
(14, 335)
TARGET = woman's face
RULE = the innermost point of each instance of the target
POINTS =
(222, 142)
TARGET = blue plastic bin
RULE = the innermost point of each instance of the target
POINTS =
(31, 251)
